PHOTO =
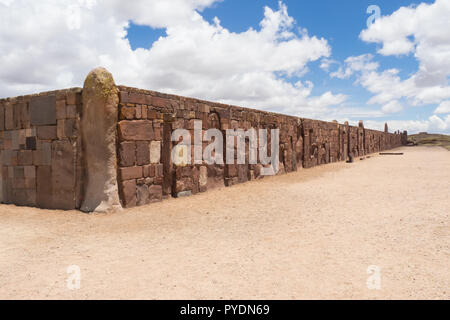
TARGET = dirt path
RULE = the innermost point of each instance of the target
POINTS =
(310, 234)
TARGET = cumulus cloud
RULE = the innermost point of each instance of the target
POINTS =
(443, 108)
(423, 32)
(195, 58)
(392, 107)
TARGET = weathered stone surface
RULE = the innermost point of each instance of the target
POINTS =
(129, 193)
(99, 127)
(142, 153)
(43, 110)
(155, 193)
(129, 173)
(127, 154)
(44, 197)
(142, 195)
(30, 172)
(30, 143)
(47, 133)
(63, 175)
(60, 109)
(25, 157)
(43, 156)
(137, 130)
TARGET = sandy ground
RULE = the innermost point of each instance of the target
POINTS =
(307, 235)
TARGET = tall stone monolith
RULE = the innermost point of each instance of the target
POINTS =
(99, 131)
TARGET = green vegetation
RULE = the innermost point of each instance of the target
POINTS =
(425, 139)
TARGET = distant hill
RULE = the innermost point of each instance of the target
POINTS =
(425, 139)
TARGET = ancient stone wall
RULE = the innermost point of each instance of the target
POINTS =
(41, 150)
(49, 151)
(147, 120)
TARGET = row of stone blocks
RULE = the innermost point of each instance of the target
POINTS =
(43, 143)
(39, 147)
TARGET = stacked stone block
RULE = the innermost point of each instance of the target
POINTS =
(42, 159)
(140, 129)
(40, 150)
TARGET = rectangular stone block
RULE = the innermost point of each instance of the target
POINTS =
(30, 143)
(2, 118)
(71, 128)
(30, 172)
(44, 197)
(43, 156)
(71, 111)
(138, 130)
(136, 98)
(60, 109)
(47, 132)
(43, 111)
(155, 193)
(128, 191)
(63, 175)
(130, 173)
(30, 183)
(9, 117)
(142, 153)
(25, 157)
(142, 195)
(127, 154)
(61, 129)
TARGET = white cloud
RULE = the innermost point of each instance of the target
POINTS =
(392, 107)
(443, 108)
(195, 58)
(433, 124)
(423, 32)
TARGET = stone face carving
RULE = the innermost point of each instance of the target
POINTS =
(99, 131)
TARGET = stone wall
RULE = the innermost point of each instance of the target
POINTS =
(147, 120)
(40, 150)
(42, 158)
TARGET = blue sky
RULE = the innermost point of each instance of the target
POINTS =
(339, 22)
(256, 54)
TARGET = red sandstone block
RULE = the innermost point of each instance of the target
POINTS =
(60, 109)
(47, 132)
(127, 113)
(129, 173)
(71, 111)
(123, 97)
(149, 171)
(25, 157)
(137, 98)
(30, 172)
(142, 153)
(151, 114)
(160, 102)
(159, 170)
(71, 128)
(129, 193)
(127, 154)
(144, 113)
(138, 111)
(72, 97)
(142, 194)
(61, 129)
(155, 193)
(138, 130)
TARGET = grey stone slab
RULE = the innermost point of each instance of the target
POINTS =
(43, 111)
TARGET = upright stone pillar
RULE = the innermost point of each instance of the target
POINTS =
(99, 131)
